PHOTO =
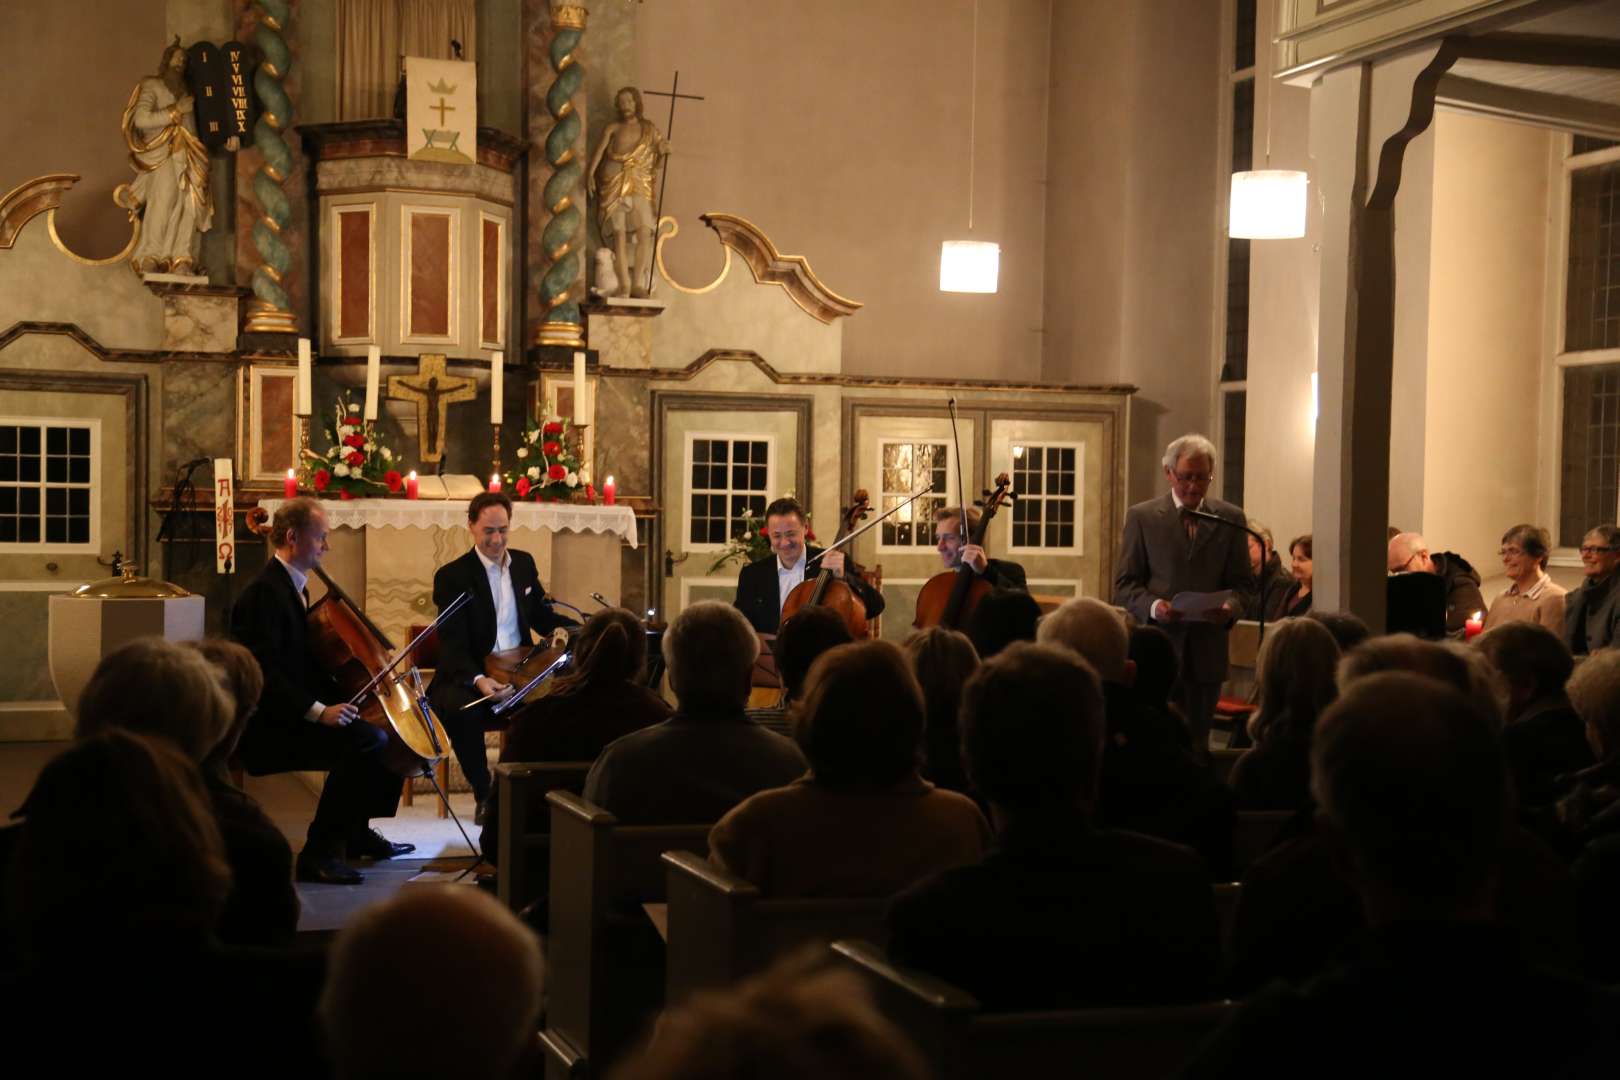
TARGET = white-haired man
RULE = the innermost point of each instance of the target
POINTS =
(1167, 551)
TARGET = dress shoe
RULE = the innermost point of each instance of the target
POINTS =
(480, 811)
(371, 844)
(326, 870)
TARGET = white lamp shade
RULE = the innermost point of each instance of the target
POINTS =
(1267, 204)
(969, 266)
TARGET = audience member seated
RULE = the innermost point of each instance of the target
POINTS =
(1296, 682)
(1452, 666)
(119, 879)
(1348, 630)
(469, 970)
(1544, 737)
(1001, 618)
(1531, 595)
(1587, 818)
(863, 823)
(1157, 670)
(1151, 783)
(185, 694)
(800, 639)
(1592, 612)
(1414, 792)
(709, 756)
(1296, 601)
(1271, 580)
(943, 661)
(1063, 913)
(1409, 553)
(801, 1020)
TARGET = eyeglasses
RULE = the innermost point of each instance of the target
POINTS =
(1191, 479)
(1420, 553)
(1508, 552)
(1589, 550)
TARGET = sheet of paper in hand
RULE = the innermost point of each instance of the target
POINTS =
(1201, 606)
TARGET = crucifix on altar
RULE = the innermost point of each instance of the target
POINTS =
(434, 390)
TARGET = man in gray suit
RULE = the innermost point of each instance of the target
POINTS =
(1166, 552)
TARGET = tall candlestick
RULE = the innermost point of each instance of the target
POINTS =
(608, 491)
(289, 487)
(301, 403)
(413, 486)
(581, 416)
(497, 386)
(373, 377)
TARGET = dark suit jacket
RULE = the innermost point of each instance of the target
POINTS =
(759, 598)
(1003, 574)
(1156, 562)
(468, 636)
(1592, 616)
(271, 620)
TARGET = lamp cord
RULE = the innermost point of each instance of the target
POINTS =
(973, 110)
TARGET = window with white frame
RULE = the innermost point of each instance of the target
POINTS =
(1046, 478)
(45, 483)
(729, 477)
(906, 466)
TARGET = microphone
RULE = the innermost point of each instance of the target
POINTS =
(600, 599)
(554, 602)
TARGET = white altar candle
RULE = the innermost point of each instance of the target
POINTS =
(301, 385)
(497, 386)
(580, 415)
(373, 377)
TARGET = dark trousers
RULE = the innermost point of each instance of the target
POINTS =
(466, 730)
(358, 786)
(1198, 701)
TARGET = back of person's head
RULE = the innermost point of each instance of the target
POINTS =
(1456, 667)
(1095, 631)
(158, 687)
(801, 639)
(611, 648)
(1002, 617)
(1533, 660)
(1594, 691)
(943, 661)
(861, 722)
(710, 651)
(1157, 668)
(1032, 730)
(244, 680)
(1347, 629)
(428, 946)
(800, 1020)
(120, 841)
(1297, 669)
(1413, 780)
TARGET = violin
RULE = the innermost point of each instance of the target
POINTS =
(948, 598)
(827, 590)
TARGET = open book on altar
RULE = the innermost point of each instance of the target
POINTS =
(459, 486)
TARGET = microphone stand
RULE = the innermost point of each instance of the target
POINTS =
(1260, 637)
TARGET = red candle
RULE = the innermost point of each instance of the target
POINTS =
(494, 481)
(413, 488)
(1474, 627)
(608, 490)
(289, 487)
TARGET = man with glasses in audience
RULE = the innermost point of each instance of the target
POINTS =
(1409, 553)
(763, 585)
(1592, 612)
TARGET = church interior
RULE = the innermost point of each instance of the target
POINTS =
(648, 266)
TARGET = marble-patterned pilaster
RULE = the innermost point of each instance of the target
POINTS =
(198, 323)
(199, 412)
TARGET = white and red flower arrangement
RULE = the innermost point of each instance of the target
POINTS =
(548, 468)
(357, 464)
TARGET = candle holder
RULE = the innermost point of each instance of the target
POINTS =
(578, 433)
(305, 478)
(495, 451)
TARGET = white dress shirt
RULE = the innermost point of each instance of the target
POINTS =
(788, 577)
(500, 587)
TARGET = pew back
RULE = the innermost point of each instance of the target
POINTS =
(524, 844)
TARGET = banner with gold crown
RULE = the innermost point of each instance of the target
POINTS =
(441, 110)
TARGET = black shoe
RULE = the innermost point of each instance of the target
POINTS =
(326, 870)
(371, 844)
(480, 809)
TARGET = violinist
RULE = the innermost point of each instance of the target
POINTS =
(761, 593)
(954, 551)
(303, 723)
(508, 602)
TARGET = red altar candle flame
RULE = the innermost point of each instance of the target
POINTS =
(289, 487)
(494, 481)
(608, 491)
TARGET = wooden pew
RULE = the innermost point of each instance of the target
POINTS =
(1254, 833)
(524, 847)
(721, 929)
(961, 1040)
(598, 965)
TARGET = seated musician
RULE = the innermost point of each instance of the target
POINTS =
(761, 593)
(508, 604)
(955, 550)
(302, 722)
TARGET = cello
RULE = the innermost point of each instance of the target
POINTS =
(948, 598)
(827, 590)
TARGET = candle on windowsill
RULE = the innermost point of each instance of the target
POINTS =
(1474, 627)
(289, 487)
(494, 481)
(413, 487)
(608, 491)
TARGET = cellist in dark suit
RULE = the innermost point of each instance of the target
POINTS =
(763, 585)
(508, 602)
(302, 722)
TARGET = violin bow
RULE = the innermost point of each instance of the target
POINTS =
(961, 489)
(836, 544)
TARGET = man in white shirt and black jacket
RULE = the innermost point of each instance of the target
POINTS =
(763, 585)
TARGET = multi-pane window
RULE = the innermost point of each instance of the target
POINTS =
(1234, 429)
(45, 471)
(1046, 479)
(730, 478)
(1590, 482)
(908, 466)
(1592, 302)
(1235, 348)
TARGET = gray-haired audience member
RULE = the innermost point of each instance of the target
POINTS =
(1409, 553)
(1531, 595)
(157, 687)
(1592, 612)
(468, 968)
(1543, 737)
(1347, 629)
(709, 756)
(1452, 666)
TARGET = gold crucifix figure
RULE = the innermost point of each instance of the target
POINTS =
(433, 390)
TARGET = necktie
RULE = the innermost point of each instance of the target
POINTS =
(1191, 524)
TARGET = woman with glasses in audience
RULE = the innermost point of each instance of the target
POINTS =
(1531, 594)
(1591, 612)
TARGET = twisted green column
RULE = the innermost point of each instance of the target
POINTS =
(271, 311)
(563, 284)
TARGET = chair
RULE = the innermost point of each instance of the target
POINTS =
(721, 929)
(1254, 834)
(524, 844)
(599, 977)
(961, 1040)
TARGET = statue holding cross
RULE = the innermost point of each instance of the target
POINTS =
(621, 178)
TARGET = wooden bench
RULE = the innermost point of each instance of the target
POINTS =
(961, 1040)
(523, 847)
(601, 872)
(721, 929)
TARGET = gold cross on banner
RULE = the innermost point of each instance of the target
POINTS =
(433, 390)
(442, 109)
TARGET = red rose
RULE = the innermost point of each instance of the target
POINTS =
(393, 480)
(322, 478)
(551, 449)
(345, 494)
(765, 533)
(553, 428)
(557, 472)
(355, 459)
(356, 441)
(522, 486)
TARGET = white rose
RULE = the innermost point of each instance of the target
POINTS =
(344, 431)
(388, 455)
(340, 469)
(572, 479)
(371, 448)
(534, 436)
(523, 451)
(584, 476)
(534, 472)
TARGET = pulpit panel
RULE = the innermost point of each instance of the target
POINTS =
(429, 303)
